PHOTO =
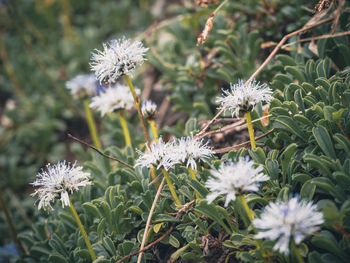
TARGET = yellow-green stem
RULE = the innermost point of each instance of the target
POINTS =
(138, 107)
(91, 125)
(219, 7)
(154, 129)
(193, 176)
(295, 249)
(171, 188)
(82, 229)
(249, 212)
(250, 129)
(125, 128)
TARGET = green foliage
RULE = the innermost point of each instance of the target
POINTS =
(306, 154)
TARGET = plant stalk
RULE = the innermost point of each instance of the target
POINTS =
(10, 224)
(138, 108)
(125, 128)
(193, 176)
(171, 187)
(82, 229)
(249, 212)
(154, 129)
(250, 129)
(91, 125)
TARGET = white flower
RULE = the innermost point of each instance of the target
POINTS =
(82, 85)
(58, 181)
(282, 221)
(157, 155)
(189, 150)
(149, 109)
(234, 179)
(243, 98)
(119, 57)
(113, 98)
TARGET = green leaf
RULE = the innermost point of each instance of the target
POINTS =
(108, 244)
(286, 60)
(324, 141)
(91, 210)
(295, 72)
(174, 241)
(82, 253)
(197, 186)
(54, 257)
(288, 124)
(308, 190)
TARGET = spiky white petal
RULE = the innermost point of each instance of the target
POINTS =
(58, 181)
(113, 98)
(189, 150)
(149, 109)
(235, 178)
(282, 221)
(243, 97)
(118, 57)
(157, 155)
(82, 85)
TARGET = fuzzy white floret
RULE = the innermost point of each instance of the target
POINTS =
(57, 182)
(233, 179)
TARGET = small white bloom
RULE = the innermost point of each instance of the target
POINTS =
(189, 150)
(113, 98)
(282, 221)
(119, 57)
(58, 181)
(82, 85)
(243, 98)
(157, 155)
(234, 179)
(149, 109)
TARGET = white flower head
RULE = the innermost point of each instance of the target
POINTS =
(113, 98)
(149, 109)
(58, 181)
(118, 57)
(157, 155)
(235, 179)
(189, 150)
(282, 221)
(242, 98)
(82, 85)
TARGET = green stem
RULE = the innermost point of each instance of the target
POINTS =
(82, 229)
(154, 129)
(91, 125)
(10, 224)
(171, 187)
(295, 249)
(219, 7)
(125, 128)
(138, 108)
(249, 212)
(193, 176)
(250, 129)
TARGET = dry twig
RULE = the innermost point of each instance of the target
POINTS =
(149, 219)
(97, 150)
(178, 216)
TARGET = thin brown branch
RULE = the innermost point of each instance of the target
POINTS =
(267, 60)
(148, 223)
(97, 150)
(178, 216)
(239, 146)
(317, 38)
(10, 224)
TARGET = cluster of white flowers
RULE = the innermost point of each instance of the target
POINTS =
(189, 150)
(282, 221)
(58, 181)
(82, 85)
(242, 98)
(165, 155)
(119, 57)
(113, 98)
(235, 179)
(149, 109)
